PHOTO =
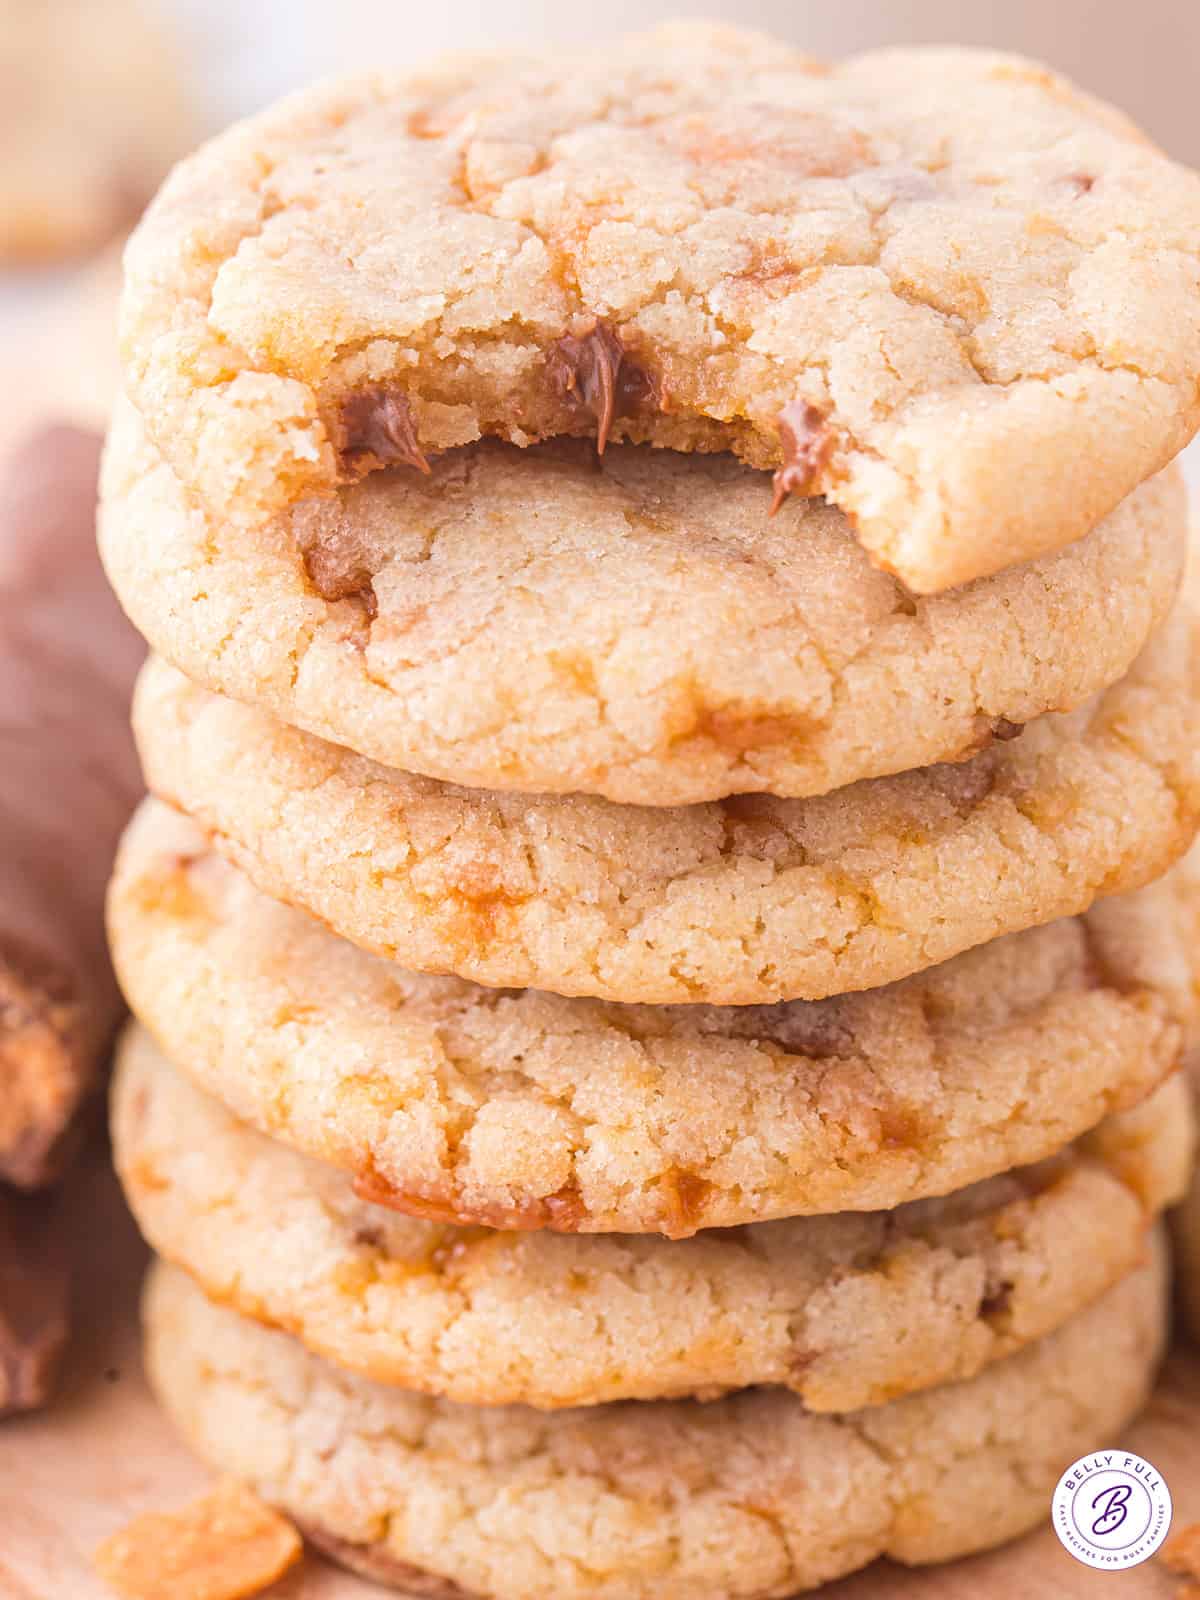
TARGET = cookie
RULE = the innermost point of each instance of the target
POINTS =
(526, 1110)
(744, 901)
(751, 1496)
(95, 114)
(846, 1311)
(518, 620)
(940, 286)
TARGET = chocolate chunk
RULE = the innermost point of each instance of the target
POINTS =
(806, 442)
(996, 1300)
(34, 1295)
(593, 373)
(970, 783)
(814, 1029)
(375, 429)
(334, 582)
(339, 557)
(1004, 730)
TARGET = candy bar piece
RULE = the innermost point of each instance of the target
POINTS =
(33, 1301)
(68, 779)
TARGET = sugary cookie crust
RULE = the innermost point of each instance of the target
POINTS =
(518, 620)
(749, 1497)
(966, 296)
(744, 901)
(526, 1110)
(846, 1311)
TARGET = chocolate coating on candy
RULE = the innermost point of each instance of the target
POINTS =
(34, 1294)
(376, 429)
(806, 443)
(593, 372)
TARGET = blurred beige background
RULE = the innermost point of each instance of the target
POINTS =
(1144, 55)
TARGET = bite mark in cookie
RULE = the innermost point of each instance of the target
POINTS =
(526, 602)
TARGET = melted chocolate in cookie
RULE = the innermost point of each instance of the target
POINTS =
(806, 442)
(593, 373)
(376, 429)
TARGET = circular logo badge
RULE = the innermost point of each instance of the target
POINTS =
(1111, 1510)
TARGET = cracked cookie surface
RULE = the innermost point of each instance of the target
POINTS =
(742, 901)
(941, 286)
(519, 620)
(846, 1311)
(526, 1110)
(747, 1498)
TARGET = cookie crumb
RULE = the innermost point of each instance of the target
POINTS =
(225, 1545)
(806, 442)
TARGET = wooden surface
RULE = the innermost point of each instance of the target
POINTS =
(103, 1453)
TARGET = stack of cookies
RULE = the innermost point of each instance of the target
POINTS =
(670, 700)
